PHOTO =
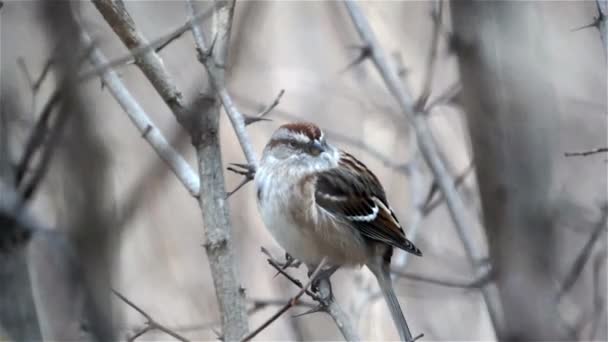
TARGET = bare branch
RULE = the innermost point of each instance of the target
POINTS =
(260, 117)
(587, 153)
(602, 17)
(289, 304)
(149, 62)
(432, 203)
(151, 324)
(215, 72)
(325, 299)
(436, 15)
(583, 257)
(599, 304)
(205, 137)
(427, 147)
(142, 122)
(136, 52)
(478, 282)
(449, 95)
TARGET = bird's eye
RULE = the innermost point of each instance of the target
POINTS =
(292, 144)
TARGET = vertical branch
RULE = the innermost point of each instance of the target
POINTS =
(212, 200)
(428, 148)
(213, 57)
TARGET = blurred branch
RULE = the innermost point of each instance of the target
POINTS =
(450, 95)
(580, 261)
(432, 203)
(478, 282)
(291, 303)
(151, 324)
(436, 15)
(602, 17)
(427, 147)
(205, 138)
(142, 122)
(599, 304)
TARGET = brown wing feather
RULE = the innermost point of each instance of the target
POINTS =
(352, 193)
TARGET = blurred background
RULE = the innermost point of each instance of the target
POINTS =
(110, 213)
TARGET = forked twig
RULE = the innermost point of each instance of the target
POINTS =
(261, 116)
(292, 302)
(151, 324)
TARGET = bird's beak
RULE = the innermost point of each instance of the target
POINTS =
(319, 146)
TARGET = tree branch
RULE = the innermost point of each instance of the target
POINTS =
(215, 70)
(478, 282)
(587, 153)
(325, 299)
(583, 257)
(216, 220)
(151, 324)
(142, 122)
(291, 303)
(149, 62)
(427, 147)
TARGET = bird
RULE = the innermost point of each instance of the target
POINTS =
(319, 201)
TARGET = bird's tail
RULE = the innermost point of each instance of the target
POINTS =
(381, 270)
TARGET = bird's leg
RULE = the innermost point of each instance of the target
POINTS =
(323, 275)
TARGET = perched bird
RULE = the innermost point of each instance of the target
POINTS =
(319, 201)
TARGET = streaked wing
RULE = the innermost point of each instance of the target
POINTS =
(351, 192)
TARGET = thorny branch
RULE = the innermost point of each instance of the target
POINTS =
(151, 324)
(324, 298)
(427, 147)
(291, 303)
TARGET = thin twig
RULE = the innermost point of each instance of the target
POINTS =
(261, 116)
(436, 15)
(150, 322)
(449, 95)
(587, 153)
(135, 53)
(142, 122)
(289, 304)
(149, 62)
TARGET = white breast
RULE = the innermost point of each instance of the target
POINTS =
(341, 244)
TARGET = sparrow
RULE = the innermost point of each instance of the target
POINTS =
(319, 201)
